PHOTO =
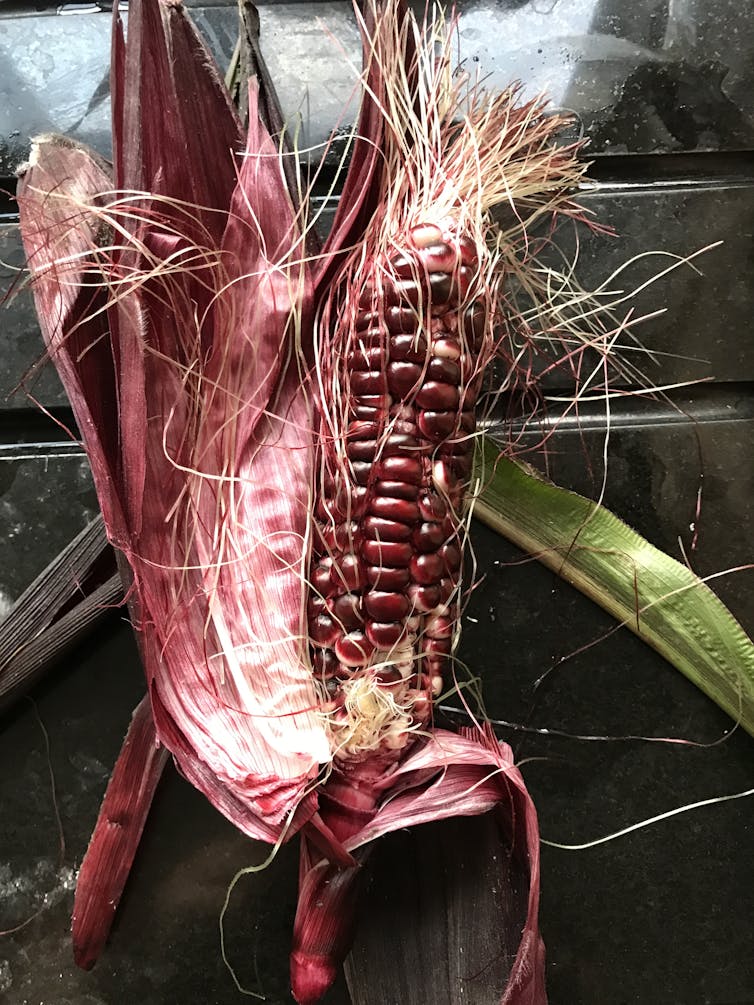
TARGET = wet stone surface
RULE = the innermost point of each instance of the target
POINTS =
(655, 76)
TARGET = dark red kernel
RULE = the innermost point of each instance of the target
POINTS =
(373, 358)
(362, 430)
(396, 490)
(423, 598)
(315, 606)
(474, 324)
(395, 554)
(361, 450)
(426, 569)
(435, 647)
(402, 510)
(320, 576)
(439, 257)
(354, 649)
(467, 251)
(362, 471)
(371, 297)
(467, 421)
(469, 394)
(365, 412)
(346, 610)
(400, 444)
(402, 469)
(348, 571)
(388, 579)
(428, 536)
(445, 370)
(323, 631)
(410, 292)
(437, 396)
(379, 529)
(432, 506)
(368, 382)
(462, 280)
(336, 537)
(384, 606)
(438, 627)
(441, 288)
(437, 426)
(406, 266)
(400, 319)
(461, 465)
(409, 348)
(403, 378)
(384, 635)
(366, 320)
(324, 662)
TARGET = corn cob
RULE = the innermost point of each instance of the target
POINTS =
(388, 531)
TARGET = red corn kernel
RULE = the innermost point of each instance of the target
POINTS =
(384, 635)
(394, 554)
(437, 396)
(409, 348)
(386, 606)
(403, 378)
(346, 610)
(378, 529)
(387, 579)
(401, 510)
(423, 598)
(426, 569)
(401, 469)
(428, 536)
(398, 490)
(437, 426)
(368, 383)
(348, 570)
(354, 649)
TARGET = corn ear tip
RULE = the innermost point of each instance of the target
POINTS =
(311, 976)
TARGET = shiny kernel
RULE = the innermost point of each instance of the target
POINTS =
(398, 490)
(346, 610)
(403, 378)
(379, 529)
(395, 554)
(437, 426)
(383, 578)
(384, 635)
(403, 469)
(368, 383)
(383, 606)
(354, 649)
(426, 569)
(437, 396)
(423, 599)
(409, 348)
(403, 510)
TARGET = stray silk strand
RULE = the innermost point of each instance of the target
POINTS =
(648, 822)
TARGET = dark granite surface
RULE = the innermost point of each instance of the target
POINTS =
(663, 75)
